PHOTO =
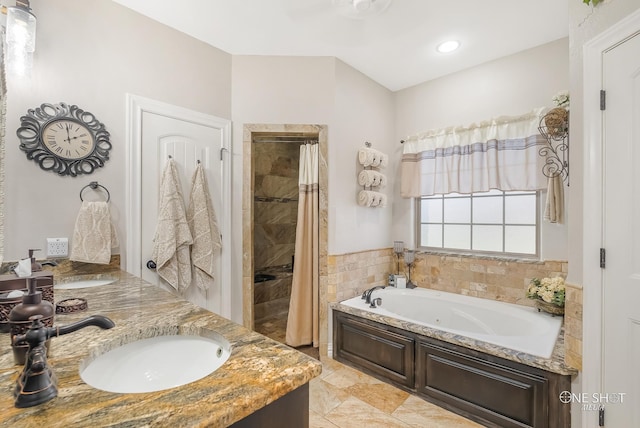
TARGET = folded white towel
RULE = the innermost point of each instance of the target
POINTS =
(366, 178)
(368, 198)
(93, 235)
(173, 237)
(384, 160)
(204, 230)
(372, 157)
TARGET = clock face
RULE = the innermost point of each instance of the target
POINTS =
(64, 139)
(68, 139)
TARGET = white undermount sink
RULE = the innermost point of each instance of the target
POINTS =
(83, 283)
(156, 363)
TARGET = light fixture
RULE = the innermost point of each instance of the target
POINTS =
(360, 9)
(448, 46)
(20, 38)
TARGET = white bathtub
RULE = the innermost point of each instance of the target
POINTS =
(507, 325)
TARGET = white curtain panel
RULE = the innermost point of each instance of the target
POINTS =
(501, 153)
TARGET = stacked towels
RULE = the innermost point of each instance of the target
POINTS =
(368, 198)
(369, 178)
(371, 157)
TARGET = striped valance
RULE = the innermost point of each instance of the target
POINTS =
(498, 154)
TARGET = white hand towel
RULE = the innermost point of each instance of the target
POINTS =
(93, 235)
(554, 206)
(366, 178)
(384, 160)
(173, 237)
(365, 157)
(204, 229)
(382, 180)
(365, 198)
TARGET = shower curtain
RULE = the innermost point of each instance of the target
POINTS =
(303, 319)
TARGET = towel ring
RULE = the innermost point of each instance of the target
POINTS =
(94, 185)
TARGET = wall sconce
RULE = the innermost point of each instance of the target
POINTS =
(20, 38)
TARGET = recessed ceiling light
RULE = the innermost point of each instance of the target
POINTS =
(448, 46)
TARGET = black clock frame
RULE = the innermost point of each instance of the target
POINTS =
(31, 142)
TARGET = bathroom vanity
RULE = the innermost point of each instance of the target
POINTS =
(263, 383)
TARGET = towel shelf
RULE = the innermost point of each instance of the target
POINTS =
(94, 186)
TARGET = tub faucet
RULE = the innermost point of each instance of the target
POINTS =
(367, 293)
(37, 382)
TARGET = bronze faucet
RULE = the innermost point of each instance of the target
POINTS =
(37, 382)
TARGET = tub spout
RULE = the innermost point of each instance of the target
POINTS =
(367, 294)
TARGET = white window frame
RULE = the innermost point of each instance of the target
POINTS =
(470, 251)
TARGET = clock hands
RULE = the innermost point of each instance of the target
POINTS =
(68, 139)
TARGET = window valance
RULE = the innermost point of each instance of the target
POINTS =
(501, 153)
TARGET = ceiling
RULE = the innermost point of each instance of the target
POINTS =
(396, 48)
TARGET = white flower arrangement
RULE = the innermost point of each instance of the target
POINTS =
(561, 99)
(550, 290)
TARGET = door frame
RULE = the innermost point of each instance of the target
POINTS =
(136, 106)
(593, 128)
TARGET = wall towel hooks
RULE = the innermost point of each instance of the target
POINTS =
(94, 186)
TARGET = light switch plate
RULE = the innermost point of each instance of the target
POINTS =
(57, 247)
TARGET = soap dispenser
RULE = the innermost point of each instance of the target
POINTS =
(32, 304)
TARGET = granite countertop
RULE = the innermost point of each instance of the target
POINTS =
(554, 364)
(258, 372)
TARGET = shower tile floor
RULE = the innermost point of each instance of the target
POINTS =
(343, 397)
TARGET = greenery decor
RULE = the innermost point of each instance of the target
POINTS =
(595, 2)
(550, 290)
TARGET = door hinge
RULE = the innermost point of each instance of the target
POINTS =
(603, 257)
(601, 416)
(603, 99)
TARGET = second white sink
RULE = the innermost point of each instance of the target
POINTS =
(83, 283)
(156, 364)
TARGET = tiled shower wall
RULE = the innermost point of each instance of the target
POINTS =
(275, 203)
(485, 277)
(275, 215)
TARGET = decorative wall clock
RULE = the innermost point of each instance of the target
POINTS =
(64, 139)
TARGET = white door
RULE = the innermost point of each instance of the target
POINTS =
(621, 198)
(157, 131)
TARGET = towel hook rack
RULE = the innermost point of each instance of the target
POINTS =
(94, 185)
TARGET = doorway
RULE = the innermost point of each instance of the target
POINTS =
(271, 154)
(157, 131)
(612, 207)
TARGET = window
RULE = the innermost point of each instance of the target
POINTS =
(493, 222)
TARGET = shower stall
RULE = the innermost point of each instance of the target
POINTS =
(275, 159)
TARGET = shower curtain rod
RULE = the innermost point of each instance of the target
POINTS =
(301, 141)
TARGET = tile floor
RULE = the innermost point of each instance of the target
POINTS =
(342, 397)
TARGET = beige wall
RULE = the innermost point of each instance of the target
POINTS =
(512, 85)
(92, 54)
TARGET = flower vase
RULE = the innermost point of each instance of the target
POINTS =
(550, 308)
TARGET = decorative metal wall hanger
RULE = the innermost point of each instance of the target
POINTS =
(94, 186)
(554, 127)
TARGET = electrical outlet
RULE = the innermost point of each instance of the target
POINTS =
(57, 247)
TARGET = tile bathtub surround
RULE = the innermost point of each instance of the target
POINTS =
(487, 277)
(350, 274)
(573, 326)
(258, 371)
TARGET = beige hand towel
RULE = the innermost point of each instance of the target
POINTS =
(554, 206)
(172, 238)
(204, 229)
(93, 235)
